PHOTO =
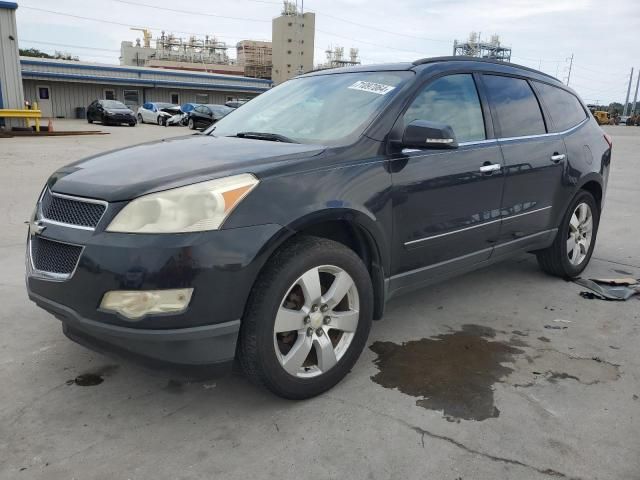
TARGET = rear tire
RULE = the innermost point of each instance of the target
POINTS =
(266, 356)
(558, 259)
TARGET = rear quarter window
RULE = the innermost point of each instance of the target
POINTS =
(515, 105)
(564, 108)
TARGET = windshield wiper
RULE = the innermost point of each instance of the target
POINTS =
(271, 137)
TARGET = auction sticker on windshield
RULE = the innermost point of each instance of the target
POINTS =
(379, 88)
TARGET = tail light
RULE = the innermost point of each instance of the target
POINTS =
(607, 138)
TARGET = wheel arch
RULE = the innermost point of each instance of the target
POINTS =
(593, 185)
(353, 229)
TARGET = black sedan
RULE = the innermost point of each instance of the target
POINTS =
(110, 112)
(204, 115)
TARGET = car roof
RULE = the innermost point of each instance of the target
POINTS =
(417, 64)
(433, 65)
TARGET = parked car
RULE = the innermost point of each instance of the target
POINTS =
(110, 112)
(204, 115)
(156, 112)
(277, 236)
(235, 103)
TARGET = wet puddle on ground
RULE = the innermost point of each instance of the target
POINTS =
(456, 372)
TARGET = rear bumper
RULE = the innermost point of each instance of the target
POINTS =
(201, 345)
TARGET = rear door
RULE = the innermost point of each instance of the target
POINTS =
(445, 209)
(534, 162)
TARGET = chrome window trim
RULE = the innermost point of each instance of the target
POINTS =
(433, 237)
(43, 274)
(73, 198)
(509, 139)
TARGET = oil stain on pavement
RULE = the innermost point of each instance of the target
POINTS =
(452, 372)
(91, 379)
(456, 372)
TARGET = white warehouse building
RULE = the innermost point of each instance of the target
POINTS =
(62, 87)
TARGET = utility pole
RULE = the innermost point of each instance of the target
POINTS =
(570, 67)
(635, 97)
(626, 102)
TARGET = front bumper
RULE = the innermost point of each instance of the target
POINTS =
(203, 345)
(221, 266)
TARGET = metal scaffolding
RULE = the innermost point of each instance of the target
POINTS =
(475, 47)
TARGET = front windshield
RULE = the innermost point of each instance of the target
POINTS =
(113, 104)
(328, 109)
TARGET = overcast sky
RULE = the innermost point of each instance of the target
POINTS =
(604, 36)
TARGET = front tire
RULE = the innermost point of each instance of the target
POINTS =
(307, 318)
(573, 246)
(140, 119)
(191, 124)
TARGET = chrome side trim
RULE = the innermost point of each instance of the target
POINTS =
(75, 199)
(433, 237)
(527, 213)
(44, 275)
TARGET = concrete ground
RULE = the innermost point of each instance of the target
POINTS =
(538, 382)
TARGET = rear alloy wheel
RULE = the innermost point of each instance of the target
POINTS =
(573, 246)
(307, 319)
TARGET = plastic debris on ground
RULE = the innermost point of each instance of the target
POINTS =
(613, 289)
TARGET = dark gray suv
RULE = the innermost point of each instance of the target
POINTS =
(278, 235)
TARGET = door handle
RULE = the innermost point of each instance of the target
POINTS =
(557, 157)
(494, 167)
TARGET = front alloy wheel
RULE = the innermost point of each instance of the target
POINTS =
(316, 321)
(307, 318)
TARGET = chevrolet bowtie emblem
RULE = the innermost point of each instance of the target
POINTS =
(36, 227)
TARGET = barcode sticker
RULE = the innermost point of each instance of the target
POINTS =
(378, 88)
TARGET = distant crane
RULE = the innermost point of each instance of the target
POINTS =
(146, 35)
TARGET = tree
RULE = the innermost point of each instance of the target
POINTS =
(34, 52)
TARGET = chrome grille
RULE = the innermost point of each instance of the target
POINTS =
(71, 210)
(54, 257)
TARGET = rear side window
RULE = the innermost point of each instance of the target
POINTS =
(565, 109)
(515, 105)
(451, 100)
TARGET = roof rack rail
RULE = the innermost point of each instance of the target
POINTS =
(460, 58)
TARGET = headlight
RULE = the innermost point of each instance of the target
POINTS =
(194, 208)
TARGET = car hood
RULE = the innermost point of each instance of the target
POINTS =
(130, 172)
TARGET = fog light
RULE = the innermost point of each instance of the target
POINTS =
(135, 304)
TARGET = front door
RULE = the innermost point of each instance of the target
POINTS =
(446, 207)
(44, 100)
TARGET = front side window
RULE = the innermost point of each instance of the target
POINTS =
(565, 109)
(327, 109)
(515, 105)
(452, 100)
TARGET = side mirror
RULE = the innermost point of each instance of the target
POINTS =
(425, 134)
